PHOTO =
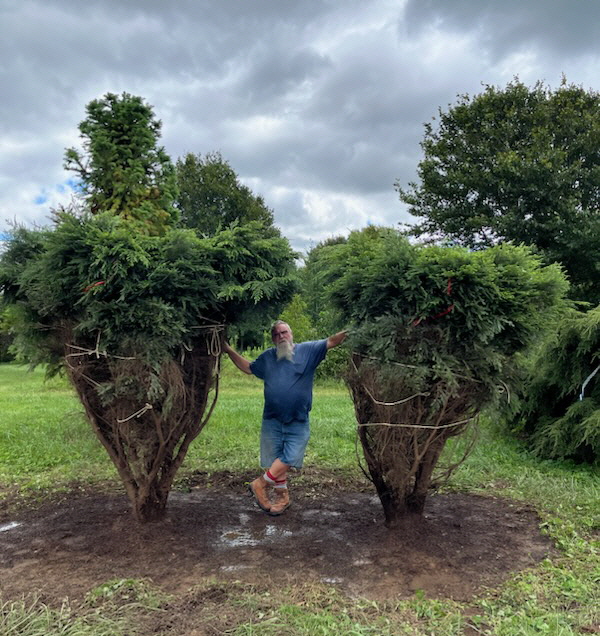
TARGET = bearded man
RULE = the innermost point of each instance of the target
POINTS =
(288, 372)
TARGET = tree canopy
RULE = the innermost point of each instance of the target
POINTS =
(457, 310)
(141, 293)
(518, 164)
(211, 196)
(122, 170)
(559, 409)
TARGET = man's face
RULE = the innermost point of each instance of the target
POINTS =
(282, 332)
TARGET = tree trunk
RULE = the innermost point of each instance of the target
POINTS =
(147, 441)
(151, 503)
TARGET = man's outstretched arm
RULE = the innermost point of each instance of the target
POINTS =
(240, 362)
(336, 339)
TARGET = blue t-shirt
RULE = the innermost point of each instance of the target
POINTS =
(288, 384)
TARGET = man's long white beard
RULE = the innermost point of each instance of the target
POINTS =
(285, 350)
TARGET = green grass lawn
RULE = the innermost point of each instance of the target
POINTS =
(46, 445)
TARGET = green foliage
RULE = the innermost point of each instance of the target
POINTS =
(449, 312)
(296, 316)
(6, 337)
(123, 171)
(126, 292)
(212, 198)
(517, 164)
(559, 416)
(316, 276)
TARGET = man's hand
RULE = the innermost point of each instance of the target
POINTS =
(336, 339)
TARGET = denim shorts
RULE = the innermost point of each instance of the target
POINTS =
(286, 442)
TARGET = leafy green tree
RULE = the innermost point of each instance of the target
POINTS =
(135, 311)
(296, 316)
(211, 196)
(122, 169)
(434, 334)
(559, 411)
(314, 280)
(518, 164)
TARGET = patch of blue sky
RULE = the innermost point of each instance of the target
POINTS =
(75, 185)
(70, 185)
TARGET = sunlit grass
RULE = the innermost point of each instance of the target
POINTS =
(44, 436)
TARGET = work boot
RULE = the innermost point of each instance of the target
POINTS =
(258, 487)
(282, 501)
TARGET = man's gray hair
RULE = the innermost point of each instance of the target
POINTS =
(276, 324)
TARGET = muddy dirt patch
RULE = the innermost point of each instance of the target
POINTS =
(462, 544)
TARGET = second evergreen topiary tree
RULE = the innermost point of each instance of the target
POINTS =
(434, 333)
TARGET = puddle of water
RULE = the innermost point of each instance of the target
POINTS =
(234, 568)
(362, 562)
(9, 526)
(238, 538)
(274, 531)
(321, 513)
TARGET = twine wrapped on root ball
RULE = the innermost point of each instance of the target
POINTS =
(147, 416)
(403, 429)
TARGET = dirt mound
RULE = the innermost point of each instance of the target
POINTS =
(461, 544)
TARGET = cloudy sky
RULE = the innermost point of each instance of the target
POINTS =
(318, 105)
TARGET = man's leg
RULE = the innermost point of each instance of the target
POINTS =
(277, 471)
(295, 439)
(271, 447)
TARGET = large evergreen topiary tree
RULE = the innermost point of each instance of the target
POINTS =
(135, 310)
(434, 337)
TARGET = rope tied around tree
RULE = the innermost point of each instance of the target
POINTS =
(399, 402)
(379, 403)
(587, 380)
(425, 426)
(214, 347)
(146, 407)
(83, 351)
